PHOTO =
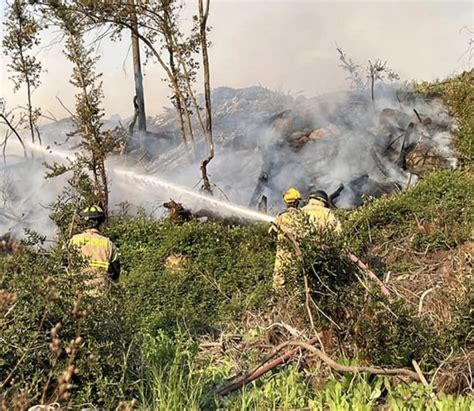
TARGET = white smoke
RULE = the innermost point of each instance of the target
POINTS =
(352, 153)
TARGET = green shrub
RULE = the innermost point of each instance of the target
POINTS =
(224, 271)
(47, 291)
(436, 213)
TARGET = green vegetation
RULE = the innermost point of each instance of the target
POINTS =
(202, 274)
(179, 381)
(188, 284)
(435, 214)
(458, 93)
(38, 292)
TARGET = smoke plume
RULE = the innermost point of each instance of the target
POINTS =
(266, 142)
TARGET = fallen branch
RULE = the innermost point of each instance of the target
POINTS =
(369, 273)
(260, 370)
(417, 368)
(354, 369)
(419, 373)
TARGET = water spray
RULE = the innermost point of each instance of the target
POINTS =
(215, 203)
(169, 186)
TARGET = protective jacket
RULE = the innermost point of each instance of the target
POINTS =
(286, 219)
(285, 260)
(320, 215)
(101, 251)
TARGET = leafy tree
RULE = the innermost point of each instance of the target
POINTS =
(157, 27)
(21, 37)
(95, 142)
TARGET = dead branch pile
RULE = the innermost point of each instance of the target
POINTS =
(268, 134)
(439, 284)
(296, 348)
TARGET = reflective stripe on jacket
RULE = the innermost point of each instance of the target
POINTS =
(97, 248)
(321, 215)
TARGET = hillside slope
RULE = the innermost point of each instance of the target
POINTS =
(194, 307)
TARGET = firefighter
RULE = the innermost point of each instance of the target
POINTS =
(104, 264)
(319, 213)
(285, 222)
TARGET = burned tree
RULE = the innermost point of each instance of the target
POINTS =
(379, 71)
(21, 36)
(203, 16)
(139, 99)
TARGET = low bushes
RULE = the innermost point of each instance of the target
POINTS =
(216, 272)
(57, 342)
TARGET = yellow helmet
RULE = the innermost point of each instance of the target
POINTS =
(291, 196)
(93, 213)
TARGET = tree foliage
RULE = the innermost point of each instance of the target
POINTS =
(21, 38)
(95, 143)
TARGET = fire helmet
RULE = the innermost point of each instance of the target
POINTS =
(291, 196)
(320, 195)
(93, 213)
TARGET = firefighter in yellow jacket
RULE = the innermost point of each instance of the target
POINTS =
(319, 213)
(103, 256)
(285, 222)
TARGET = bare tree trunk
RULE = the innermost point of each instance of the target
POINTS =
(179, 104)
(190, 127)
(203, 15)
(30, 111)
(372, 84)
(137, 69)
(136, 111)
(105, 187)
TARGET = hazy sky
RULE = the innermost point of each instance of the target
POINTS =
(284, 45)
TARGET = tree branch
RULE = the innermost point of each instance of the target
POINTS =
(14, 132)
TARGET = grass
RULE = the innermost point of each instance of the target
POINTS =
(175, 379)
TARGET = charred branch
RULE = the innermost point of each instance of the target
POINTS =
(335, 195)
(10, 126)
